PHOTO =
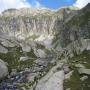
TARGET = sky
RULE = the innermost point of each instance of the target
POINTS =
(52, 4)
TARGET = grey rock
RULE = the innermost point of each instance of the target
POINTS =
(84, 71)
(84, 78)
(24, 58)
(3, 69)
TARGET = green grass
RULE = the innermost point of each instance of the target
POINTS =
(74, 83)
(40, 46)
(13, 58)
(81, 19)
(31, 54)
(83, 58)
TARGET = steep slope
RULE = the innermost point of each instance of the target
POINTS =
(75, 31)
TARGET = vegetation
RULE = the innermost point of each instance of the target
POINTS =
(13, 58)
(74, 83)
(80, 19)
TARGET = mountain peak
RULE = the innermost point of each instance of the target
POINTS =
(26, 11)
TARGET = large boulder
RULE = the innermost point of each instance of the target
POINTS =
(3, 49)
(3, 69)
(84, 71)
(54, 82)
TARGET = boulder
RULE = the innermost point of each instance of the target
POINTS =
(24, 58)
(79, 66)
(7, 43)
(84, 78)
(68, 75)
(41, 53)
(25, 47)
(3, 69)
(84, 71)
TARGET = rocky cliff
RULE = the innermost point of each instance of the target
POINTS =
(40, 47)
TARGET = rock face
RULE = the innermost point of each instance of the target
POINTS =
(3, 69)
(55, 82)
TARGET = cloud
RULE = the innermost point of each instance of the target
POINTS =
(81, 3)
(6, 4)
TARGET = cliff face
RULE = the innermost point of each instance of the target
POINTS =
(75, 27)
(31, 21)
(74, 32)
(26, 22)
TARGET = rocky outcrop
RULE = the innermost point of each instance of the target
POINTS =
(53, 79)
(55, 82)
(3, 69)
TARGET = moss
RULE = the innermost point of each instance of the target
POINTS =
(74, 83)
(83, 58)
(32, 37)
(40, 46)
(31, 54)
(80, 20)
(86, 84)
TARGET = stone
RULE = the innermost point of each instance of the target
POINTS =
(55, 82)
(41, 53)
(84, 78)
(66, 68)
(68, 75)
(6, 43)
(25, 47)
(3, 69)
(13, 72)
(68, 89)
(84, 71)
(24, 58)
(3, 49)
(79, 66)
(31, 77)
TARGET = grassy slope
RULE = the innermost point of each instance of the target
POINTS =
(74, 82)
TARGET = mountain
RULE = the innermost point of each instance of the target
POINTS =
(43, 49)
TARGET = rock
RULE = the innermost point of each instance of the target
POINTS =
(6, 43)
(79, 66)
(3, 69)
(24, 58)
(68, 75)
(13, 72)
(84, 71)
(41, 53)
(55, 82)
(66, 68)
(3, 49)
(31, 77)
(68, 89)
(84, 78)
(41, 62)
(25, 47)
